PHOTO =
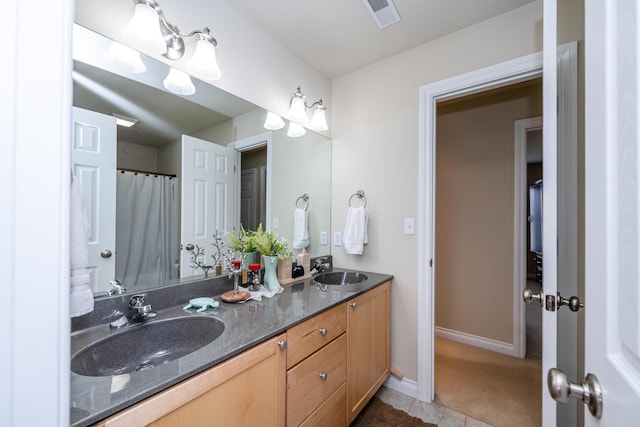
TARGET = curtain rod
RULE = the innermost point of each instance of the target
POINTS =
(146, 172)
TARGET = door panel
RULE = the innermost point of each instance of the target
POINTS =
(93, 158)
(612, 207)
(207, 185)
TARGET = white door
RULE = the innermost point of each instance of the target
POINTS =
(248, 199)
(93, 158)
(612, 210)
(207, 197)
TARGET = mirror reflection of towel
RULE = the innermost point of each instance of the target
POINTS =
(300, 229)
(355, 231)
(80, 294)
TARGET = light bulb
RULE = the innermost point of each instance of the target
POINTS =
(319, 121)
(125, 59)
(295, 130)
(204, 63)
(179, 82)
(143, 31)
(273, 121)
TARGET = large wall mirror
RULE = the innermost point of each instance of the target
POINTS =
(272, 170)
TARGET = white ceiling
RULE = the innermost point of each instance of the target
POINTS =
(339, 36)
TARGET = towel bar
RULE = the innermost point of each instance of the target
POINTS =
(305, 199)
(360, 195)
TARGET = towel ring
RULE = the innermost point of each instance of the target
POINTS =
(305, 200)
(360, 195)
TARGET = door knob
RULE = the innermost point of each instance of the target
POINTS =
(528, 296)
(189, 247)
(573, 303)
(589, 390)
(106, 253)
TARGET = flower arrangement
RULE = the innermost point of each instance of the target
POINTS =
(243, 241)
(270, 244)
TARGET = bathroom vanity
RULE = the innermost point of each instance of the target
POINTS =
(310, 353)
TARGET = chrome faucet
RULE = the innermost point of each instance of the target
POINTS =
(117, 288)
(138, 312)
(320, 264)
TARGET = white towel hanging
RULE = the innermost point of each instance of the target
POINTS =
(355, 234)
(300, 229)
(80, 294)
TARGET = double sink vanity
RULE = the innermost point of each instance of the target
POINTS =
(316, 353)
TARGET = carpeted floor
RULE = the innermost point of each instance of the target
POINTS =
(379, 414)
(492, 387)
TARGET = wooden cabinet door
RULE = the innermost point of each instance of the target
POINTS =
(368, 353)
(249, 389)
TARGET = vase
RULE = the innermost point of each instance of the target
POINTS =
(270, 274)
(248, 258)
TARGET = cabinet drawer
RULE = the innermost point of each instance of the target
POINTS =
(307, 337)
(332, 413)
(306, 389)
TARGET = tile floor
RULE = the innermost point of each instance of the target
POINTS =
(429, 412)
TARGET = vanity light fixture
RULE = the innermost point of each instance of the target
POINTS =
(295, 130)
(126, 59)
(298, 111)
(179, 82)
(149, 31)
(273, 121)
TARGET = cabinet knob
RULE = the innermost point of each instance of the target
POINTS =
(324, 376)
(282, 344)
(323, 331)
(353, 305)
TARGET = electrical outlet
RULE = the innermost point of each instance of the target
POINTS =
(409, 226)
(337, 238)
(275, 223)
(324, 238)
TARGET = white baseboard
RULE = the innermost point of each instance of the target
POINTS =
(476, 341)
(404, 386)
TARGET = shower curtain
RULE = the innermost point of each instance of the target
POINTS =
(146, 229)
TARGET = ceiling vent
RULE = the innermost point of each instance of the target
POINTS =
(383, 11)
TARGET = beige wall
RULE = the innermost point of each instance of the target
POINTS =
(475, 210)
(375, 148)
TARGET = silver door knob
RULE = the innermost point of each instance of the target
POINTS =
(189, 247)
(573, 303)
(589, 390)
(528, 296)
(106, 253)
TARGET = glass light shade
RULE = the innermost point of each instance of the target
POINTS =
(125, 59)
(204, 63)
(318, 120)
(295, 130)
(179, 82)
(273, 121)
(297, 110)
(143, 31)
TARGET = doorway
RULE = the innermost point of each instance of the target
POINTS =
(475, 236)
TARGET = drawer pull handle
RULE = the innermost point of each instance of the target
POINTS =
(282, 344)
(323, 332)
(323, 376)
(353, 305)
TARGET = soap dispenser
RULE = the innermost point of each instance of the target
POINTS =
(304, 260)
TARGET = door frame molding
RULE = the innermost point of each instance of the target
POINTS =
(250, 143)
(503, 74)
(506, 73)
(522, 127)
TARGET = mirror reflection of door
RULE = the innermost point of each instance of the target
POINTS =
(253, 187)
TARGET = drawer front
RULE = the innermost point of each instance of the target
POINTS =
(307, 337)
(332, 413)
(306, 387)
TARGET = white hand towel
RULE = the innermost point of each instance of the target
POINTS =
(300, 229)
(80, 295)
(355, 231)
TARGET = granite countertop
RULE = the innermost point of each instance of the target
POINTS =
(246, 324)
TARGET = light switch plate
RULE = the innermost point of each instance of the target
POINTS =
(275, 223)
(409, 226)
(324, 237)
(337, 238)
